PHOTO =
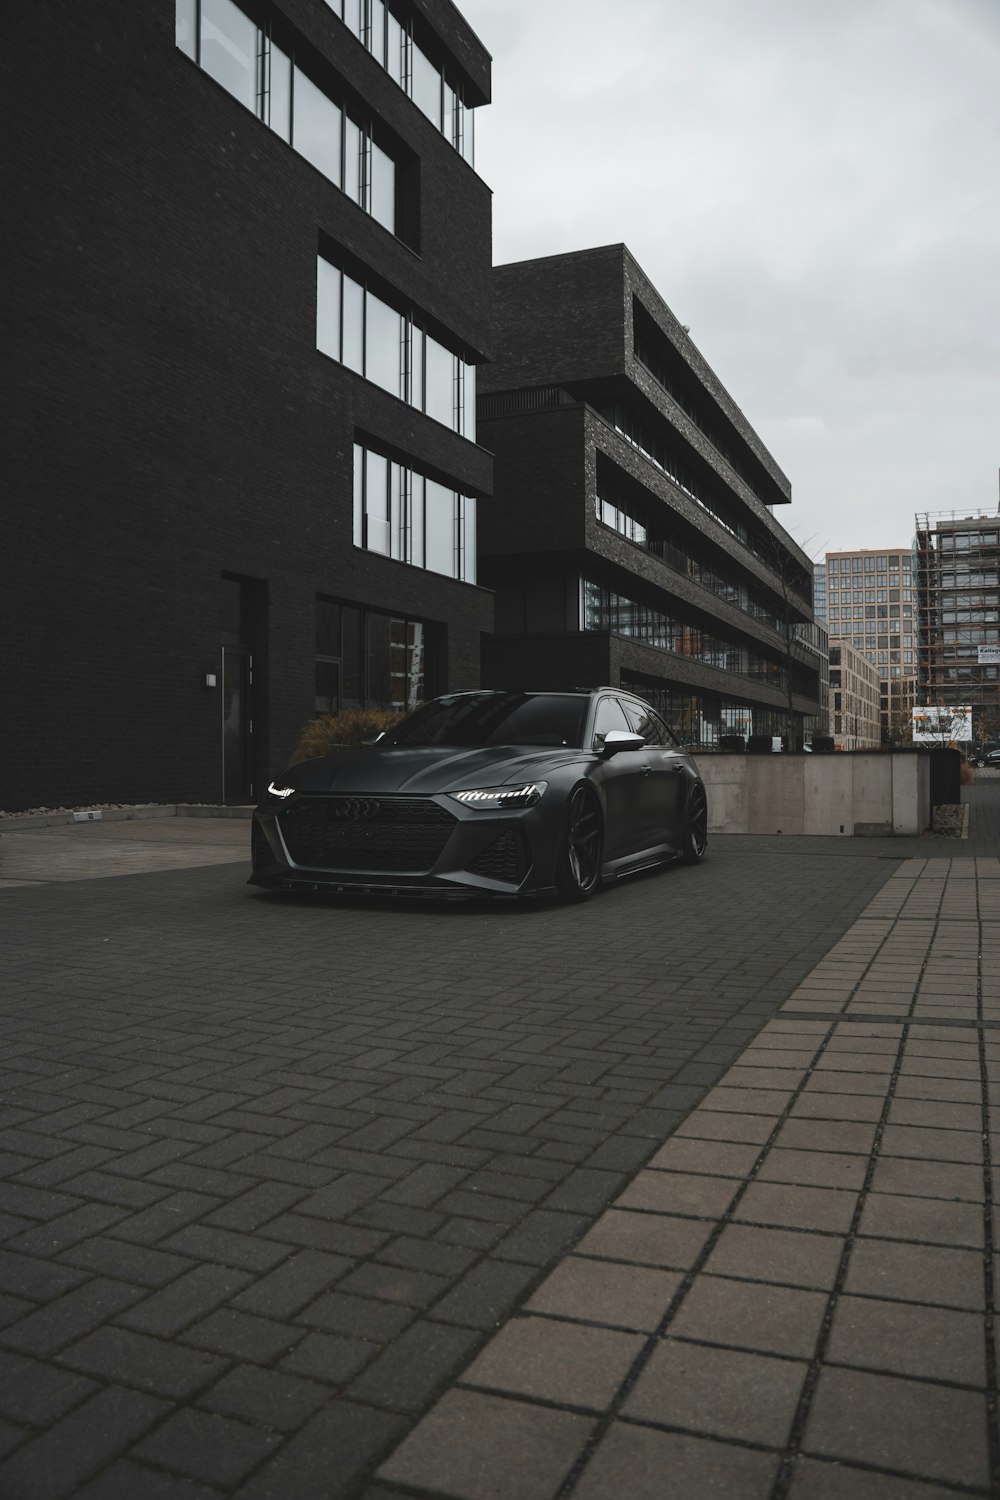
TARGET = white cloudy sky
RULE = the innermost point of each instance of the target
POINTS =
(814, 187)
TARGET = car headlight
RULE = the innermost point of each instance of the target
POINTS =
(276, 789)
(490, 798)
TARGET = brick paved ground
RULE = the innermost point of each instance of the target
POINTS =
(274, 1174)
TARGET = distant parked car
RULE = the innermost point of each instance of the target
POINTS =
(991, 758)
(488, 793)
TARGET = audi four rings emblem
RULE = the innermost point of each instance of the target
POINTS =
(357, 809)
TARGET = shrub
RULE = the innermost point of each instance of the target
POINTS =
(345, 730)
(967, 774)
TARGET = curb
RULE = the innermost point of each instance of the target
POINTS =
(122, 815)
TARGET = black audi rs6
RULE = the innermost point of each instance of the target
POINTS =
(488, 793)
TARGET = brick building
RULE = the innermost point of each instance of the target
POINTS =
(248, 264)
(632, 539)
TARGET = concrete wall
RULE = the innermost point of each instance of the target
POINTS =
(820, 794)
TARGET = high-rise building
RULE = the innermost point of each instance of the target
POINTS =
(958, 602)
(632, 540)
(248, 282)
(871, 605)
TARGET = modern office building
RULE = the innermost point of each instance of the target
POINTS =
(958, 613)
(855, 717)
(632, 539)
(871, 606)
(249, 266)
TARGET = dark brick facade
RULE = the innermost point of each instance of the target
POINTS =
(566, 334)
(171, 420)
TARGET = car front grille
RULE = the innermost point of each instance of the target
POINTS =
(397, 834)
(505, 859)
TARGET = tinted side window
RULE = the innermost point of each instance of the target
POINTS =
(648, 723)
(610, 715)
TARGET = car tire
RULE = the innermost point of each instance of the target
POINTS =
(581, 846)
(696, 830)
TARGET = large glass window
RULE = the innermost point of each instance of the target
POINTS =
(439, 391)
(316, 127)
(386, 346)
(239, 55)
(439, 522)
(426, 86)
(401, 513)
(383, 344)
(229, 49)
(365, 658)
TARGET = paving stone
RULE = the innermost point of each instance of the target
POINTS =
(240, 1335)
(929, 1220)
(185, 1300)
(721, 1392)
(816, 1479)
(678, 1193)
(714, 1158)
(266, 1398)
(751, 1315)
(928, 1179)
(631, 1297)
(115, 1354)
(126, 1480)
(632, 1461)
(344, 1439)
(35, 1393)
(293, 1284)
(68, 1317)
(931, 1431)
(569, 1364)
(138, 1264)
(647, 1239)
(828, 1135)
(334, 1358)
(475, 1446)
(907, 1338)
(813, 1168)
(916, 1273)
(779, 1203)
(56, 1463)
(335, 1312)
(394, 1284)
(485, 1294)
(32, 1276)
(206, 1446)
(415, 1366)
(792, 1257)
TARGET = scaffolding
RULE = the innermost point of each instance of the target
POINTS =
(957, 576)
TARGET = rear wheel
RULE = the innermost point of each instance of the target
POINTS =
(578, 869)
(696, 833)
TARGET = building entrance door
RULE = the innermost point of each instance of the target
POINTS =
(237, 724)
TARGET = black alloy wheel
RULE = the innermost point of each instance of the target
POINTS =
(696, 833)
(578, 871)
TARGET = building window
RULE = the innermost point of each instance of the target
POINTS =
(241, 56)
(405, 515)
(367, 659)
(388, 347)
(389, 41)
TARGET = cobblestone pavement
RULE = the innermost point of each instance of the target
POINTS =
(275, 1173)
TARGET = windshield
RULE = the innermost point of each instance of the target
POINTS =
(476, 719)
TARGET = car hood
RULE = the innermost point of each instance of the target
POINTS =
(426, 769)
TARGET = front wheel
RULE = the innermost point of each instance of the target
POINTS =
(696, 833)
(578, 868)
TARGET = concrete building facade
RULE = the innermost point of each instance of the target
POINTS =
(249, 273)
(855, 718)
(871, 606)
(958, 611)
(632, 539)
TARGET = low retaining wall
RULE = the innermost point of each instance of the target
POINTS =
(820, 794)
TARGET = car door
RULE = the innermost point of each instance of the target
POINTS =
(667, 782)
(625, 778)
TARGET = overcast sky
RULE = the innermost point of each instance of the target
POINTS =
(814, 187)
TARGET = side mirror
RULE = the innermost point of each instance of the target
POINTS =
(620, 739)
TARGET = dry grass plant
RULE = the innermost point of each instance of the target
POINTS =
(346, 730)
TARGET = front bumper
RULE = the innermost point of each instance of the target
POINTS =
(395, 845)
